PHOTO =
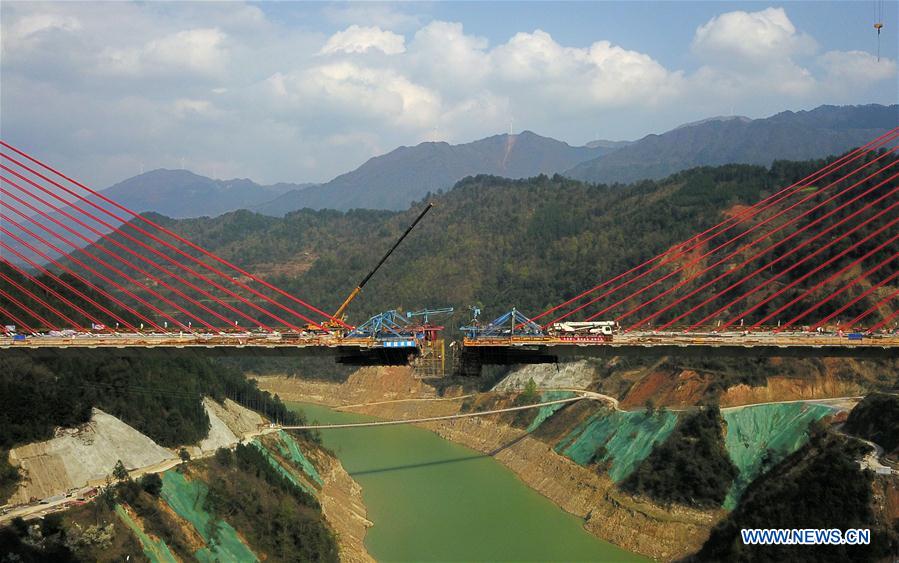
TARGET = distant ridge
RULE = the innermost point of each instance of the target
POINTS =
(406, 174)
(182, 194)
(801, 135)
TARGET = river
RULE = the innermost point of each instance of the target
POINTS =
(433, 500)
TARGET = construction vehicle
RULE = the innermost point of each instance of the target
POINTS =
(341, 311)
(607, 328)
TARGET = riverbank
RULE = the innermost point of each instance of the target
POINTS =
(431, 499)
(631, 523)
(344, 510)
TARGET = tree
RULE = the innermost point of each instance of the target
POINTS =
(530, 391)
(650, 407)
(152, 483)
(184, 455)
(223, 457)
(119, 472)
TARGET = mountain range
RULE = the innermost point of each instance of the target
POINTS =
(181, 193)
(823, 131)
(406, 174)
(393, 180)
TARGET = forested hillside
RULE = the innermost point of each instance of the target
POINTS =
(159, 397)
(500, 243)
(798, 493)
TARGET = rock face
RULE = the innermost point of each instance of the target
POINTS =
(79, 456)
(341, 500)
(574, 375)
(364, 385)
(229, 423)
(780, 388)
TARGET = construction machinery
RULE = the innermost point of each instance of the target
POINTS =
(399, 335)
(431, 361)
(339, 314)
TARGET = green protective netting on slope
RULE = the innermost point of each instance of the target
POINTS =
(291, 450)
(547, 411)
(155, 550)
(187, 498)
(755, 430)
(281, 469)
(628, 437)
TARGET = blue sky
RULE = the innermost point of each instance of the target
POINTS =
(305, 91)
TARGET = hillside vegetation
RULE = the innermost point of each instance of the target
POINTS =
(819, 486)
(233, 506)
(876, 418)
(502, 243)
(691, 467)
(161, 398)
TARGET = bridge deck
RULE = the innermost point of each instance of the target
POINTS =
(353, 350)
(547, 349)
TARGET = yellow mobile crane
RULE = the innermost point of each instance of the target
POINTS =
(342, 309)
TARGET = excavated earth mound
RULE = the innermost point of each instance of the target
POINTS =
(574, 375)
(76, 457)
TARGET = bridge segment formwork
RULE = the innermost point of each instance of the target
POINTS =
(547, 349)
(351, 351)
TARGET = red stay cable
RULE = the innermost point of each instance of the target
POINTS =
(697, 240)
(166, 231)
(874, 307)
(112, 268)
(157, 239)
(855, 300)
(17, 320)
(65, 284)
(843, 289)
(746, 246)
(41, 302)
(108, 236)
(766, 250)
(738, 237)
(816, 270)
(61, 252)
(35, 280)
(108, 252)
(25, 309)
(761, 286)
(887, 319)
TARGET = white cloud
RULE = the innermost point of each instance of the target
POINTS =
(355, 39)
(602, 75)
(851, 70)
(199, 51)
(447, 56)
(385, 16)
(239, 89)
(379, 94)
(33, 24)
(753, 37)
(186, 108)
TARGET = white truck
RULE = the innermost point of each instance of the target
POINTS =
(588, 328)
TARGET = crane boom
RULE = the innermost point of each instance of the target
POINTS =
(339, 313)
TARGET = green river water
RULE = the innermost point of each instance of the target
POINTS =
(433, 500)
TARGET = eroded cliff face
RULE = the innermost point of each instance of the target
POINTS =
(780, 388)
(632, 523)
(363, 386)
(341, 500)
